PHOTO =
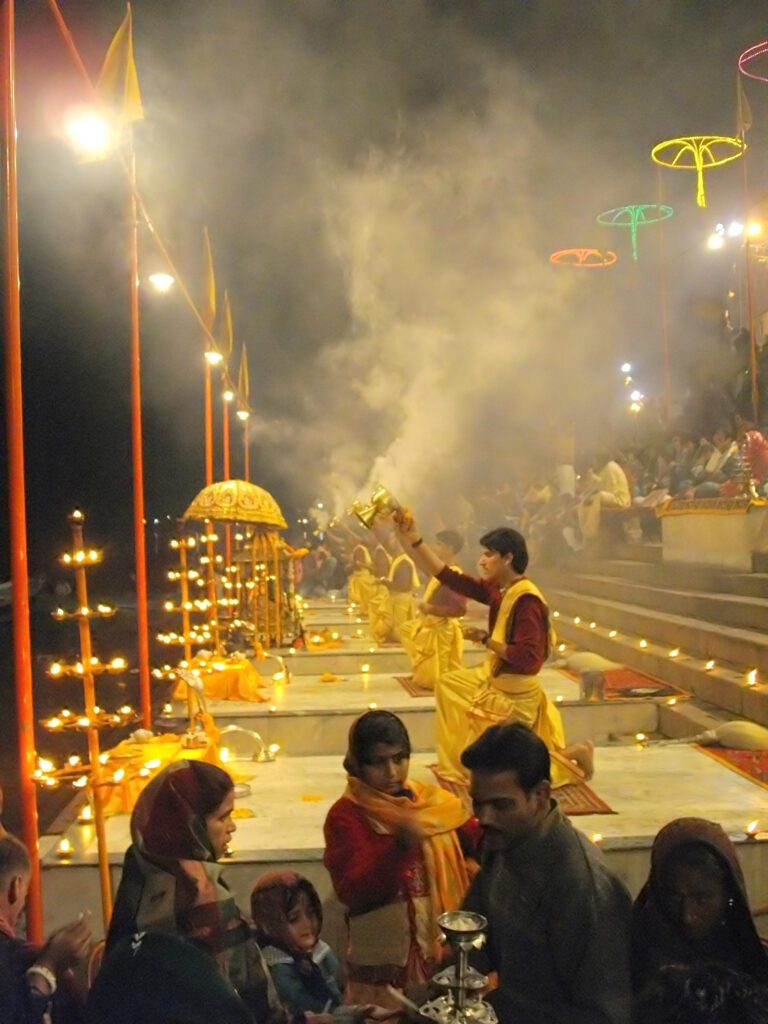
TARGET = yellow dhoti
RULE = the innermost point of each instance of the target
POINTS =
(380, 617)
(470, 700)
(362, 586)
(434, 645)
(389, 609)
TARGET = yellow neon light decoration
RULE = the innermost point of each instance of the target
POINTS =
(698, 153)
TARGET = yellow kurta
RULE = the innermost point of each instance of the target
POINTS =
(434, 643)
(362, 583)
(389, 609)
(472, 699)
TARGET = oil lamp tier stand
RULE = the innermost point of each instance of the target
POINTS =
(463, 986)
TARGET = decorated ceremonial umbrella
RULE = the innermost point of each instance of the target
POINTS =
(241, 501)
(698, 153)
(633, 217)
(584, 259)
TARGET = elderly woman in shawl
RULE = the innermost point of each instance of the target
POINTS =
(693, 909)
(171, 881)
(394, 851)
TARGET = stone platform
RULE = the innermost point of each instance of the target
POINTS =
(310, 719)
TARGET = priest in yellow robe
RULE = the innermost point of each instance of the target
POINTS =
(433, 638)
(505, 686)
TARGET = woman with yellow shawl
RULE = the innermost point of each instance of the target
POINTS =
(394, 851)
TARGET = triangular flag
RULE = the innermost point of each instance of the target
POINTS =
(208, 311)
(118, 84)
(743, 109)
(242, 380)
(226, 336)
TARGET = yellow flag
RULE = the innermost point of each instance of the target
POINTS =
(242, 380)
(226, 337)
(208, 310)
(743, 109)
(118, 84)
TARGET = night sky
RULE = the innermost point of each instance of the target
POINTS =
(383, 181)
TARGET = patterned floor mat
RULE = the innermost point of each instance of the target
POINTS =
(574, 799)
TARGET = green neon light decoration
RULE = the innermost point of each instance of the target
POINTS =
(633, 217)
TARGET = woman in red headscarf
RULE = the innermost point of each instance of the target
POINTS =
(172, 883)
(693, 909)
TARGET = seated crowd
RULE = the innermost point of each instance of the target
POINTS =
(565, 943)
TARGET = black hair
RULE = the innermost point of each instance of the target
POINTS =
(369, 729)
(505, 541)
(703, 993)
(452, 538)
(510, 747)
(14, 859)
(700, 856)
(726, 429)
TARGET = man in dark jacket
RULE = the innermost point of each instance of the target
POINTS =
(29, 976)
(558, 919)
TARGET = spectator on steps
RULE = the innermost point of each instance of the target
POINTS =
(723, 464)
(693, 909)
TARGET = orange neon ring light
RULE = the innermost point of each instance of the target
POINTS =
(698, 153)
(584, 259)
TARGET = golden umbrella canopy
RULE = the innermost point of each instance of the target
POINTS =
(237, 501)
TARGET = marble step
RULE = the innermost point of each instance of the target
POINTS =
(723, 684)
(748, 612)
(662, 574)
(309, 716)
(290, 798)
(730, 644)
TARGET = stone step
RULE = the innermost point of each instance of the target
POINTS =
(290, 798)
(740, 647)
(665, 574)
(727, 609)
(723, 685)
(308, 717)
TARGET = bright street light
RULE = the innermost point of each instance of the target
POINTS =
(228, 395)
(637, 396)
(90, 134)
(243, 414)
(753, 229)
(626, 367)
(715, 241)
(161, 281)
(213, 357)
(735, 229)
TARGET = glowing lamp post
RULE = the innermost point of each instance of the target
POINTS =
(91, 135)
(161, 281)
(88, 667)
(698, 153)
(633, 217)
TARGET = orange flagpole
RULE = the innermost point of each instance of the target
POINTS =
(138, 460)
(22, 648)
(225, 443)
(208, 426)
